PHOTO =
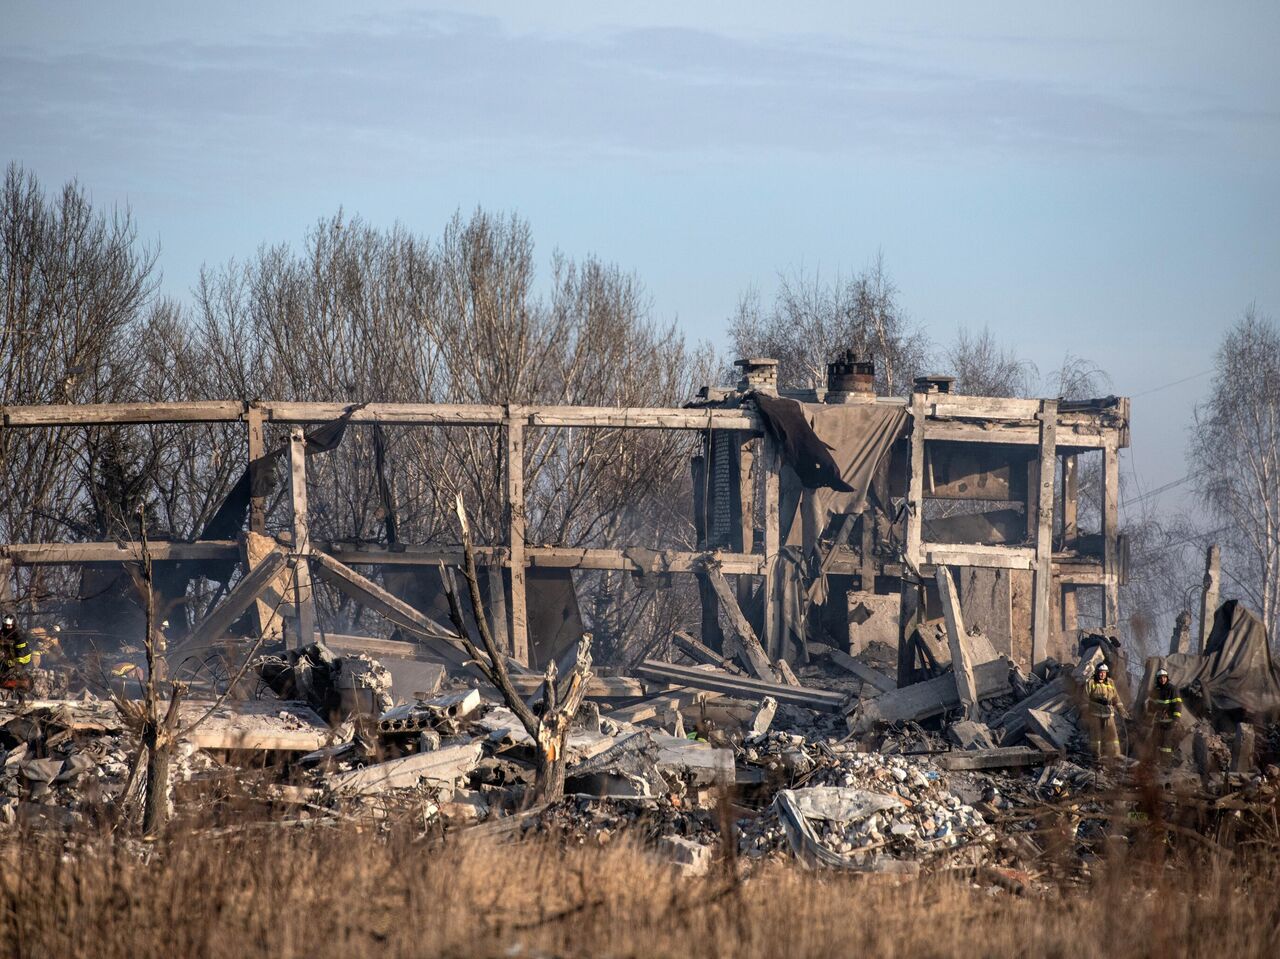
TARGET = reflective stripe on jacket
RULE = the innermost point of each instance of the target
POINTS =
(1103, 698)
(1165, 704)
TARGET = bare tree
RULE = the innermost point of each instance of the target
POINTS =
(550, 726)
(982, 367)
(73, 287)
(156, 733)
(1235, 455)
(365, 314)
(812, 320)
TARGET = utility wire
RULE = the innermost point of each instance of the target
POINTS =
(1165, 386)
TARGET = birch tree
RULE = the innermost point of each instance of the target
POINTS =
(1235, 453)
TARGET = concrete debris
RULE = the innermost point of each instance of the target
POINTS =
(690, 857)
(968, 734)
(931, 698)
(763, 717)
(442, 767)
(924, 782)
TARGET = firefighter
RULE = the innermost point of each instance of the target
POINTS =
(1103, 704)
(1164, 708)
(16, 653)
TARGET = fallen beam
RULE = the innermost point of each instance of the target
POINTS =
(962, 659)
(369, 593)
(752, 651)
(241, 597)
(741, 686)
(933, 697)
(701, 653)
(1001, 757)
(872, 677)
(598, 687)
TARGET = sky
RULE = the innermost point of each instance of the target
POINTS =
(1099, 180)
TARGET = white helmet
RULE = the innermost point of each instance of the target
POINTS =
(1162, 672)
(1103, 668)
(9, 620)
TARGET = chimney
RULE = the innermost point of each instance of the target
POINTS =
(850, 380)
(758, 373)
(933, 384)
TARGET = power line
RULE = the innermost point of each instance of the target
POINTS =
(1161, 489)
(1165, 386)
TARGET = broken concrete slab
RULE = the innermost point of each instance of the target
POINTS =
(700, 762)
(1002, 757)
(1052, 697)
(442, 767)
(1054, 728)
(257, 724)
(933, 697)
(426, 713)
(968, 734)
(661, 705)
(505, 730)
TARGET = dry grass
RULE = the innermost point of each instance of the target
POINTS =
(354, 893)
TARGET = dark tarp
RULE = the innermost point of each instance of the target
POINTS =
(831, 456)
(555, 622)
(833, 447)
(1235, 678)
(229, 519)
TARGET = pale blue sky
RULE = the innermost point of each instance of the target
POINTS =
(1100, 180)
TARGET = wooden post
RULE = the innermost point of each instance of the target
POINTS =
(772, 466)
(910, 614)
(303, 600)
(1042, 625)
(497, 588)
(1209, 593)
(516, 537)
(1070, 500)
(709, 607)
(1111, 533)
(867, 559)
(915, 482)
(6, 582)
(257, 449)
(747, 498)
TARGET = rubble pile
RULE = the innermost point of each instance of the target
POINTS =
(844, 773)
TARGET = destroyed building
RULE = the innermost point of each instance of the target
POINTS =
(901, 600)
(822, 514)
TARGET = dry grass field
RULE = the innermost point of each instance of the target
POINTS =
(352, 893)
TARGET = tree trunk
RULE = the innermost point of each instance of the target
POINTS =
(157, 740)
(551, 763)
(155, 808)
